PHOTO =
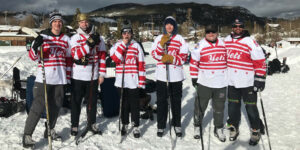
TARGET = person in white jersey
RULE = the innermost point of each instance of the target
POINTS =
(208, 70)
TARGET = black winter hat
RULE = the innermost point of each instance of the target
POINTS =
(126, 25)
(211, 28)
(170, 20)
(54, 16)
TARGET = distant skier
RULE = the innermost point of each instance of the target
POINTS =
(208, 70)
(246, 73)
(134, 77)
(88, 51)
(175, 57)
(57, 60)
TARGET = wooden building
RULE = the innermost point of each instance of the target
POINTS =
(13, 36)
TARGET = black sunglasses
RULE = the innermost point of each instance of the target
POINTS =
(240, 26)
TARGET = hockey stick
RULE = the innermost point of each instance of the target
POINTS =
(30, 32)
(122, 87)
(34, 34)
(200, 109)
(168, 94)
(46, 100)
(89, 106)
(16, 61)
(265, 119)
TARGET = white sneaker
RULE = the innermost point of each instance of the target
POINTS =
(94, 128)
(136, 132)
(178, 131)
(160, 132)
(220, 134)
(254, 137)
(28, 141)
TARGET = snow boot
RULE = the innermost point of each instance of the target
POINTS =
(74, 131)
(124, 130)
(220, 134)
(136, 132)
(160, 132)
(178, 131)
(233, 132)
(197, 133)
(93, 128)
(28, 142)
(53, 134)
(255, 137)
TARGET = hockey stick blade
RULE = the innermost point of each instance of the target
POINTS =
(29, 31)
(79, 139)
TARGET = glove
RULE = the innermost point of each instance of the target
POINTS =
(93, 40)
(194, 81)
(259, 83)
(164, 39)
(38, 41)
(167, 59)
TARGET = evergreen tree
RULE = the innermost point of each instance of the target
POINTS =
(74, 22)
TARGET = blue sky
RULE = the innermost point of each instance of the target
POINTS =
(268, 8)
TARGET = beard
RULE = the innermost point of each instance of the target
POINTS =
(86, 29)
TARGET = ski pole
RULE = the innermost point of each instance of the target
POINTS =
(46, 100)
(16, 61)
(265, 119)
(200, 109)
(122, 85)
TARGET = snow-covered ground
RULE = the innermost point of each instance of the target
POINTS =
(281, 102)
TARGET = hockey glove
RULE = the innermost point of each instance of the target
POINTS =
(194, 81)
(167, 59)
(259, 83)
(164, 39)
(93, 40)
(37, 43)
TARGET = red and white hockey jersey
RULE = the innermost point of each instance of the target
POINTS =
(134, 74)
(208, 64)
(97, 55)
(178, 49)
(245, 58)
(57, 59)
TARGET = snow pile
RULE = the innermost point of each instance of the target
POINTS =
(281, 103)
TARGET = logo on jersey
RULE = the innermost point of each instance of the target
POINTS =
(56, 52)
(131, 61)
(234, 55)
(216, 58)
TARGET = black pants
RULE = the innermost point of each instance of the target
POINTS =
(175, 93)
(81, 89)
(130, 104)
(234, 106)
(55, 98)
